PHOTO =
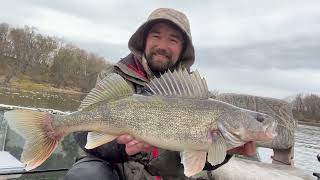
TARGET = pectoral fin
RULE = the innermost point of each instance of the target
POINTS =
(95, 139)
(193, 161)
(217, 151)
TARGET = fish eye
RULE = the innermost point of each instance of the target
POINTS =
(260, 118)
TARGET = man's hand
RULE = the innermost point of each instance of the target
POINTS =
(133, 146)
(248, 149)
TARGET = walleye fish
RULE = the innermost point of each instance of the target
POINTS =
(177, 115)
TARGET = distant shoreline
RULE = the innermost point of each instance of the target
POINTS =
(310, 123)
(42, 87)
(49, 89)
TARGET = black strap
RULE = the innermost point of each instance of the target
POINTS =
(209, 167)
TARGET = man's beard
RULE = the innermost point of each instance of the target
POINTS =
(157, 67)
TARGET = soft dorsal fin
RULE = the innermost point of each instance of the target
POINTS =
(179, 84)
(113, 86)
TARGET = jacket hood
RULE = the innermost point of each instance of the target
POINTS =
(137, 41)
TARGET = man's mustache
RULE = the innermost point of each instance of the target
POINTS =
(162, 52)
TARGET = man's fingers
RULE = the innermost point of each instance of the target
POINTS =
(149, 149)
(132, 143)
(134, 148)
(250, 149)
(237, 150)
(124, 139)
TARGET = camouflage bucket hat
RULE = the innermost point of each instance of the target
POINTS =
(136, 42)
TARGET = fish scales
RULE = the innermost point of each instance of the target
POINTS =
(173, 120)
(165, 118)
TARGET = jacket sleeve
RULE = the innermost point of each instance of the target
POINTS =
(111, 152)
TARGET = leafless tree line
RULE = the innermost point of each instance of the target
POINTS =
(25, 53)
(307, 107)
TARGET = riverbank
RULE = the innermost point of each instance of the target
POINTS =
(41, 97)
(26, 85)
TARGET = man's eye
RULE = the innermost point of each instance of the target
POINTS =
(174, 41)
(155, 36)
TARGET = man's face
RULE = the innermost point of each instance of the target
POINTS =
(163, 47)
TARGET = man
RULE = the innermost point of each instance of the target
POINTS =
(163, 42)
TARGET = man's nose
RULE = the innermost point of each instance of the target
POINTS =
(163, 44)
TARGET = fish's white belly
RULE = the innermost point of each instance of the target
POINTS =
(174, 145)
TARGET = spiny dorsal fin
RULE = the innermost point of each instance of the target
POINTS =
(179, 84)
(113, 86)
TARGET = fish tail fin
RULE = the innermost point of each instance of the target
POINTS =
(40, 138)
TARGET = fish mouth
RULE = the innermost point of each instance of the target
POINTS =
(238, 137)
(267, 133)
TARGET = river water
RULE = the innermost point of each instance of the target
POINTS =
(307, 144)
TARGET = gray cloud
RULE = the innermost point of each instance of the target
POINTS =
(266, 47)
(124, 14)
(111, 52)
(270, 82)
(300, 52)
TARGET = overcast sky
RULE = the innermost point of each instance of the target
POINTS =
(267, 48)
